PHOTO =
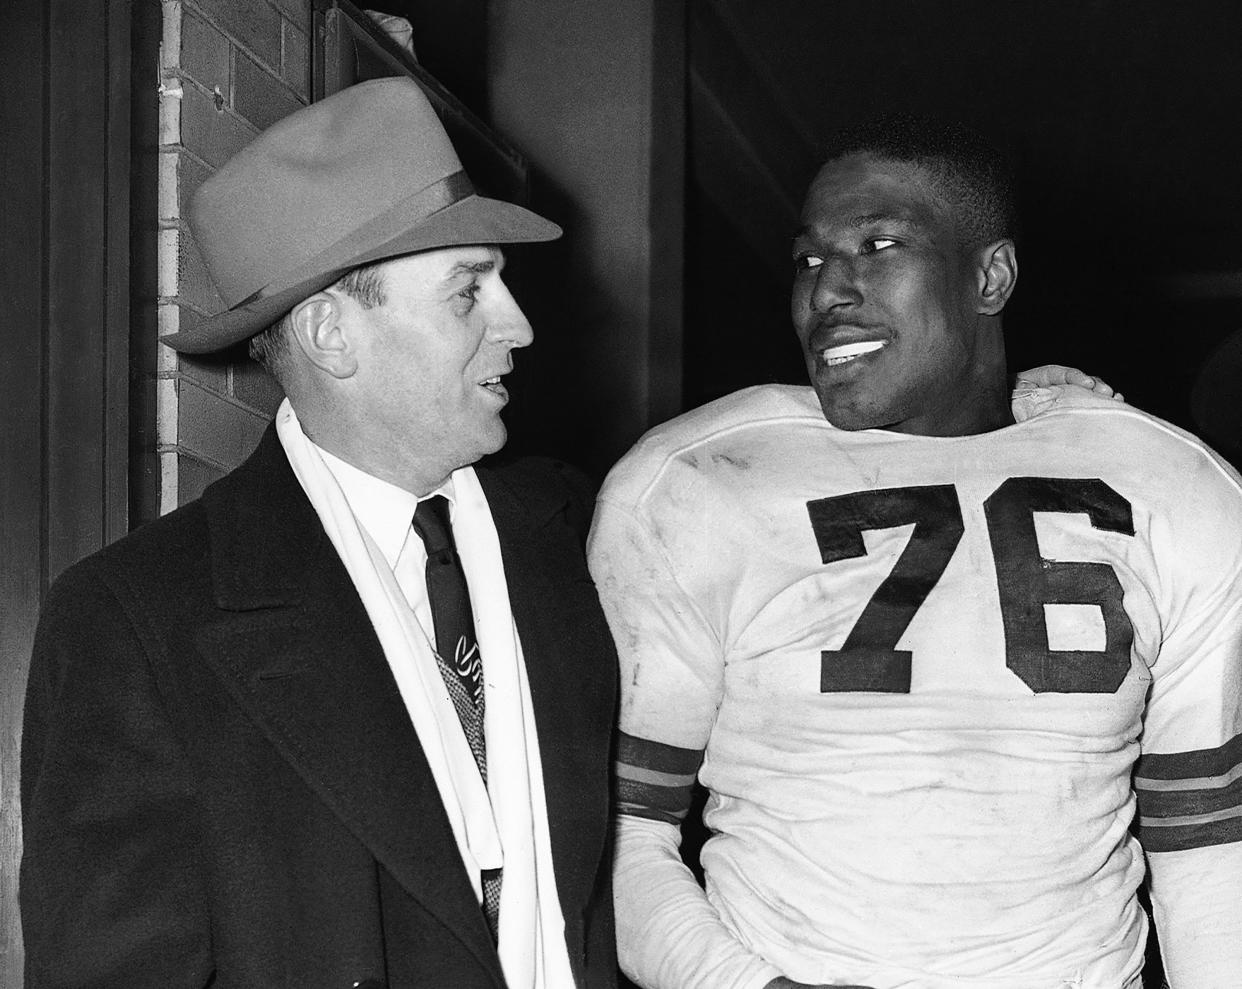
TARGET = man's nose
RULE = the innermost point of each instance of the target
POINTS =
(835, 284)
(509, 324)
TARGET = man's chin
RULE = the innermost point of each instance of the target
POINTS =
(494, 439)
(851, 418)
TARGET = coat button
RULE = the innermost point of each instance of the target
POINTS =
(370, 984)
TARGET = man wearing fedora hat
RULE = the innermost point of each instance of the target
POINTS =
(344, 721)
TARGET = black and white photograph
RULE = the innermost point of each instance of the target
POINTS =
(649, 494)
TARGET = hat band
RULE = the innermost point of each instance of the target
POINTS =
(442, 193)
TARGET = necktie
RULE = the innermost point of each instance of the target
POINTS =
(457, 651)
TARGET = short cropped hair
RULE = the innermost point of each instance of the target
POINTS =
(975, 178)
(365, 285)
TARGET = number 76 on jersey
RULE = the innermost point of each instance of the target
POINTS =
(869, 659)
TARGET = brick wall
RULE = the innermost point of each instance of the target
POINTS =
(229, 69)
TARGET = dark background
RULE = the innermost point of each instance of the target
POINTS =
(1122, 116)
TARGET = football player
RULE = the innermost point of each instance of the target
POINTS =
(935, 668)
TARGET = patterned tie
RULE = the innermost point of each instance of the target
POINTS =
(457, 651)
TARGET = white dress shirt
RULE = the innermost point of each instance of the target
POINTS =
(387, 513)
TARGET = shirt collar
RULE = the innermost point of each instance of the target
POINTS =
(383, 509)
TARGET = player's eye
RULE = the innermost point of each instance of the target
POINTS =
(873, 244)
(471, 294)
(803, 262)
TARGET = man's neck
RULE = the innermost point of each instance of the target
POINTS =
(356, 446)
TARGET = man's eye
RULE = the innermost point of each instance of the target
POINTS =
(806, 261)
(877, 244)
(471, 292)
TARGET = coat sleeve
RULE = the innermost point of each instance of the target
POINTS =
(110, 889)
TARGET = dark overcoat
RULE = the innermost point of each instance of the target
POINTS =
(221, 785)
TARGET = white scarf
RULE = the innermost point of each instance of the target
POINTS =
(504, 825)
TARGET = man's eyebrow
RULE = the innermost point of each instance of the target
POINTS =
(471, 268)
(868, 219)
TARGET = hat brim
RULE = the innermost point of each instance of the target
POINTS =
(473, 220)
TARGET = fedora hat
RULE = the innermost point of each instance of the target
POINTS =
(364, 175)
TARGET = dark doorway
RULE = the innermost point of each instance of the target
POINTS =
(1122, 116)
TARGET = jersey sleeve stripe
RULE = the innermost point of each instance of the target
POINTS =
(1199, 783)
(647, 754)
(1175, 834)
(639, 775)
(669, 806)
(1188, 802)
(1190, 799)
(653, 779)
(1196, 764)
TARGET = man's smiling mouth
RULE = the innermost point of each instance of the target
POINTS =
(845, 352)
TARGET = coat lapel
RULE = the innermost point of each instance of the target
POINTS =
(571, 667)
(297, 651)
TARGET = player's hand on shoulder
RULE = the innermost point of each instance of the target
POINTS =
(1055, 386)
(1048, 375)
(780, 982)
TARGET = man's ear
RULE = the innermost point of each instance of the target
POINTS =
(319, 330)
(997, 274)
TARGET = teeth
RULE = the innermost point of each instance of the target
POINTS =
(492, 381)
(848, 351)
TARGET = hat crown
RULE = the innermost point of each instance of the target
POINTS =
(313, 176)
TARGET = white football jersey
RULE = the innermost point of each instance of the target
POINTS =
(921, 671)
